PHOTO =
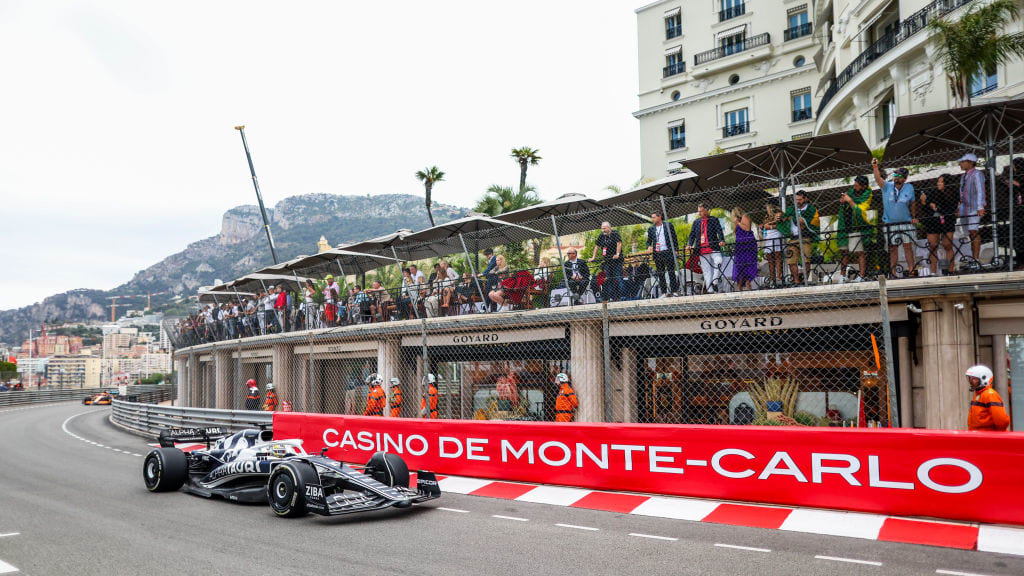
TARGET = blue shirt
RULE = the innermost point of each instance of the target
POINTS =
(896, 204)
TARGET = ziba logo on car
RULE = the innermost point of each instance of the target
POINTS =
(315, 492)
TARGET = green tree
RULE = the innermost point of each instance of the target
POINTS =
(501, 199)
(976, 42)
(525, 157)
(429, 176)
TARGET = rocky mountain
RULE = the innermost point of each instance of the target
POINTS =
(240, 247)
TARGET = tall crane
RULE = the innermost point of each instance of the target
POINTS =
(147, 296)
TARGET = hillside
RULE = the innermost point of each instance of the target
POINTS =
(240, 247)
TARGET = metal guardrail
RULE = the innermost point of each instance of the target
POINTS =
(148, 419)
(149, 393)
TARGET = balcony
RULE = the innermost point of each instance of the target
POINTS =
(741, 46)
(735, 129)
(801, 114)
(732, 12)
(797, 32)
(673, 69)
(913, 24)
(674, 31)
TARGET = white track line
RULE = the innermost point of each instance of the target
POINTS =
(9, 534)
(64, 427)
(955, 573)
(748, 548)
(653, 537)
(578, 527)
(510, 518)
(850, 560)
(453, 510)
(6, 568)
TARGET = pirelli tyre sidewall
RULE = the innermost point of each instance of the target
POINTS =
(389, 469)
(286, 488)
(164, 470)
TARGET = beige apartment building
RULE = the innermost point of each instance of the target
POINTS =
(78, 371)
(730, 74)
(722, 75)
(878, 61)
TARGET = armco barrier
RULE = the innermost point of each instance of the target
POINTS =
(149, 419)
(973, 476)
(145, 392)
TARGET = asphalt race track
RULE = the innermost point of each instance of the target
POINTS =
(72, 502)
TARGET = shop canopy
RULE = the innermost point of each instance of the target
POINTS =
(811, 159)
(572, 214)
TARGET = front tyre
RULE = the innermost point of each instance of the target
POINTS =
(388, 469)
(165, 470)
(286, 488)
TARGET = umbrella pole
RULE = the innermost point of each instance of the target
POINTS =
(472, 269)
(1009, 241)
(675, 255)
(990, 161)
(558, 243)
(800, 238)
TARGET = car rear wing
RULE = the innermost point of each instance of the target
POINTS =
(168, 437)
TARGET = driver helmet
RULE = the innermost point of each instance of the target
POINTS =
(430, 379)
(561, 378)
(982, 373)
(270, 385)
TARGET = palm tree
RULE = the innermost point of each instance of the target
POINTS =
(976, 42)
(525, 156)
(429, 177)
(501, 199)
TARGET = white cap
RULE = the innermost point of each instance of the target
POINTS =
(394, 381)
(969, 157)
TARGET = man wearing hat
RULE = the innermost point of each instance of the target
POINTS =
(331, 292)
(900, 224)
(854, 228)
(972, 201)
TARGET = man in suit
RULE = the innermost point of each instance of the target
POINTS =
(663, 244)
(707, 238)
(577, 273)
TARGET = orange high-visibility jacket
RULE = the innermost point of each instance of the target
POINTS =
(987, 412)
(375, 401)
(566, 403)
(270, 404)
(432, 392)
(396, 401)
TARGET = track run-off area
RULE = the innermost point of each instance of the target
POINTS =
(73, 502)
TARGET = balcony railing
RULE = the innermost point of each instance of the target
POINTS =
(741, 46)
(732, 12)
(797, 32)
(801, 114)
(673, 69)
(909, 27)
(984, 89)
(735, 129)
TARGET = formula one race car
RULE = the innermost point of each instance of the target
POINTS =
(103, 399)
(250, 466)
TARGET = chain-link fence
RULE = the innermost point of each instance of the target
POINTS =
(753, 304)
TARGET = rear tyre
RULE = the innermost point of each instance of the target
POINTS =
(165, 470)
(388, 468)
(286, 488)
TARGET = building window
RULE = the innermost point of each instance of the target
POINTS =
(734, 79)
(673, 26)
(800, 101)
(798, 61)
(674, 64)
(677, 137)
(675, 95)
(888, 116)
(736, 123)
(731, 44)
(732, 9)
(798, 24)
(984, 81)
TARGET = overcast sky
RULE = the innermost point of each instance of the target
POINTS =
(116, 139)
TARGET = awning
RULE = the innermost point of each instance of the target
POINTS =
(573, 213)
(956, 130)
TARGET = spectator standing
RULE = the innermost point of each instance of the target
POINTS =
(707, 239)
(663, 244)
(281, 308)
(972, 201)
(938, 209)
(987, 411)
(379, 300)
(310, 307)
(361, 303)
(772, 241)
(853, 230)
(1017, 209)
(609, 242)
(408, 294)
(805, 215)
(269, 317)
(744, 254)
(900, 224)
(270, 404)
(331, 293)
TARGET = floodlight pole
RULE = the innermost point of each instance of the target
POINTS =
(259, 197)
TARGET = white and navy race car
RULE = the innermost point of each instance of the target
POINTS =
(250, 466)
